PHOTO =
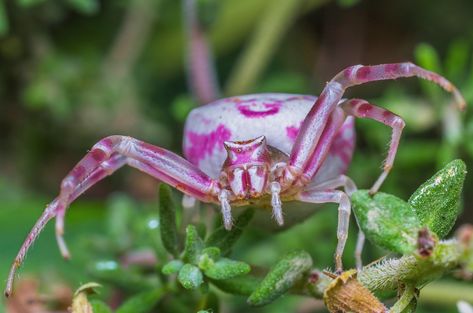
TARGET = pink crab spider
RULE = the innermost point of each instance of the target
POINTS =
(260, 149)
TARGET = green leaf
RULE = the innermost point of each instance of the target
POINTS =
(172, 267)
(167, 216)
(3, 19)
(142, 302)
(226, 268)
(387, 221)
(285, 274)
(190, 276)
(225, 239)
(193, 247)
(85, 6)
(242, 285)
(437, 202)
(100, 306)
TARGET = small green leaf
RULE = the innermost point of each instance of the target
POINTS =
(224, 239)
(387, 221)
(285, 274)
(242, 285)
(142, 302)
(190, 276)
(193, 247)
(167, 216)
(226, 268)
(100, 306)
(172, 267)
(437, 202)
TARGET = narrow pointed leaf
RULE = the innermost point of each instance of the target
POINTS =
(193, 247)
(142, 302)
(167, 215)
(437, 202)
(224, 239)
(226, 268)
(190, 276)
(285, 274)
(387, 221)
(242, 285)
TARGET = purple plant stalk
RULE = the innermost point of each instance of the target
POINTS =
(202, 76)
(260, 149)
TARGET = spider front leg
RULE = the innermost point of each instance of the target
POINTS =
(309, 137)
(361, 108)
(105, 157)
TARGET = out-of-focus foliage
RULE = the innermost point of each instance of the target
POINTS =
(77, 70)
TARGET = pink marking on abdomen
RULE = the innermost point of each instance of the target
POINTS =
(202, 145)
(292, 132)
(255, 110)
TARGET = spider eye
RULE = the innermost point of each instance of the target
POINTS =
(239, 150)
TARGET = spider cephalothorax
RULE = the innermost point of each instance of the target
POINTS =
(242, 149)
(246, 168)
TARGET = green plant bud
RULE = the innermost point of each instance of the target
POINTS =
(226, 268)
(167, 218)
(437, 202)
(172, 267)
(224, 239)
(142, 302)
(213, 252)
(387, 221)
(194, 245)
(205, 262)
(285, 274)
(190, 276)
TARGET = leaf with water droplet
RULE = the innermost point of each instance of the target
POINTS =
(172, 267)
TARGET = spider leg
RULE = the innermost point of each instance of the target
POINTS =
(361, 108)
(105, 157)
(313, 127)
(344, 209)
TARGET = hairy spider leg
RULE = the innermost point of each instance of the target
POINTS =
(361, 108)
(307, 141)
(105, 157)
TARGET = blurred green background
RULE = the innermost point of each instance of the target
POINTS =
(74, 71)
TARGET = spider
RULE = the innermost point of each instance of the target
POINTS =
(260, 149)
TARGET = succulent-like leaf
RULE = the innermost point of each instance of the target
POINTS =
(190, 276)
(224, 239)
(167, 217)
(172, 267)
(437, 202)
(226, 268)
(285, 274)
(142, 302)
(193, 247)
(387, 221)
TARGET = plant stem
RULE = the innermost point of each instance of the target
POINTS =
(269, 32)
(408, 294)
